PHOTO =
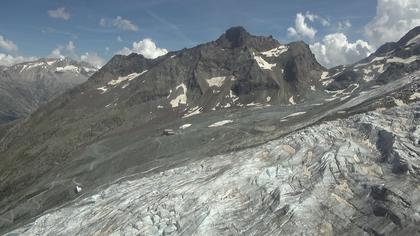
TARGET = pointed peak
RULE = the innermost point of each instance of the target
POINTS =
(234, 37)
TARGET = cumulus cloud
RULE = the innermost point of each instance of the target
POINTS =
(145, 47)
(119, 23)
(7, 44)
(335, 49)
(301, 28)
(59, 13)
(69, 50)
(8, 60)
(93, 59)
(393, 19)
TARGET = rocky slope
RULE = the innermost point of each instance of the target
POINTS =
(26, 86)
(224, 100)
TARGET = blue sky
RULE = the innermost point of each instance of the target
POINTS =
(171, 24)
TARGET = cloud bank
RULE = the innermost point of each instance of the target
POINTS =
(145, 47)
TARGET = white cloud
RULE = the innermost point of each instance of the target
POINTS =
(335, 49)
(119, 39)
(69, 50)
(301, 28)
(145, 47)
(312, 17)
(393, 19)
(8, 60)
(119, 23)
(59, 13)
(344, 25)
(93, 59)
(7, 44)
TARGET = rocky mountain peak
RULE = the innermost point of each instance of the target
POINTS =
(234, 37)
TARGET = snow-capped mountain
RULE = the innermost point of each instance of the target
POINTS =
(389, 62)
(242, 135)
(26, 86)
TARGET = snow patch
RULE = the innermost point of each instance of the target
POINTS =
(292, 100)
(124, 78)
(275, 52)
(399, 102)
(220, 123)
(324, 75)
(103, 89)
(379, 68)
(414, 40)
(295, 114)
(216, 81)
(194, 111)
(264, 64)
(313, 87)
(180, 99)
(68, 68)
(268, 99)
(402, 60)
(414, 96)
(184, 126)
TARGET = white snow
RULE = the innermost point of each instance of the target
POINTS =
(51, 62)
(23, 68)
(263, 64)
(414, 40)
(159, 106)
(268, 99)
(87, 69)
(194, 111)
(295, 114)
(379, 68)
(399, 102)
(402, 60)
(253, 104)
(292, 101)
(220, 123)
(103, 89)
(233, 96)
(313, 87)
(173, 56)
(324, 75)
(184, 126)
(414, 96)
(275, 52)
(68, 68)
(124, 78)
(35, 65)
(216, 81)
(125, 85)
(180, 99)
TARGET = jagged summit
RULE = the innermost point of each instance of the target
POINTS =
(234, 37)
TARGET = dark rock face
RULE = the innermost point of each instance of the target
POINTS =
(343, 80)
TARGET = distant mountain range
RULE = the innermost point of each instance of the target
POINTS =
(239, 92)
(26, 86)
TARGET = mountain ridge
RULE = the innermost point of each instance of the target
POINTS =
(111, 126)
